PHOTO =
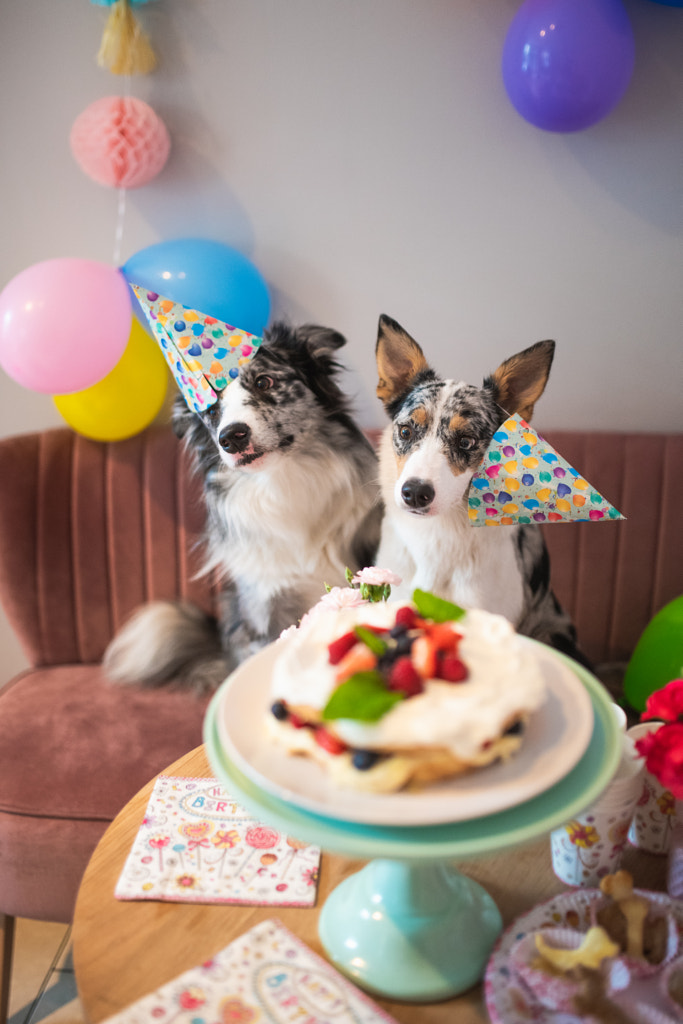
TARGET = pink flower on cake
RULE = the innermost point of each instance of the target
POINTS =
(374, 583)
(340, 597)
(376, 577)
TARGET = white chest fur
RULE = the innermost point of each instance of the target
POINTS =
(475, 567)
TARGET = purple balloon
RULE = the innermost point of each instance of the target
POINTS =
(567, 63)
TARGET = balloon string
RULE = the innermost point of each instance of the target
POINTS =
(120, 218)
(121, 211)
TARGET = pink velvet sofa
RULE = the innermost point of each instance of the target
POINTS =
(88, 531)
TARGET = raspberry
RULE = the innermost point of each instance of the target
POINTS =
(341, 646)
(452, 669)
(328, 742)
(404, 678)
(406, 617)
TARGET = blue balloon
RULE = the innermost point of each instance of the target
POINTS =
(567, 63)
(207, 276)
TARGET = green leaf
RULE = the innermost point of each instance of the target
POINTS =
(429, 606)
(371, 640)
(362, 697)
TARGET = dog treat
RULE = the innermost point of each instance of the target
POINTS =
(595, 947)
(627, 919)
(392, 694)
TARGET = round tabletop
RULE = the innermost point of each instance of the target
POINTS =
(125, 949)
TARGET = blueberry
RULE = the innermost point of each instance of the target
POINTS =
(364, 759)
(404, 644)
(279, 709)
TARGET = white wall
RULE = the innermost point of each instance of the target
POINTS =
(364, 154)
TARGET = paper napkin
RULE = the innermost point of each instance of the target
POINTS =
(266, 976)
(522, 479)
(197, 845)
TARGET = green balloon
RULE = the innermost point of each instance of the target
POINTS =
(658, 656)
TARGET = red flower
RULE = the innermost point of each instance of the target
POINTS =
(666, 703)
(663, 753)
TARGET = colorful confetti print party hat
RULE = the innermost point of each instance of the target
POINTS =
(204, 354)
(522, 479)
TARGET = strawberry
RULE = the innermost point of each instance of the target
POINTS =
(296, 722)
(327, 741)
(341, 646)
(423, 656)
(405, 678)
(451, 669)
(443, 636)
(359, 659)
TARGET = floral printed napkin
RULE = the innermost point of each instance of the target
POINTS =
(197, 845)
(267, 975)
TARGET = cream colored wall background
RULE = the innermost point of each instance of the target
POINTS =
(364, 154)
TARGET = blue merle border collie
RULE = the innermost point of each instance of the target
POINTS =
(292, 499)
(439, 432)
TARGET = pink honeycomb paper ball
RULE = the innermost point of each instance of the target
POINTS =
(120, 141)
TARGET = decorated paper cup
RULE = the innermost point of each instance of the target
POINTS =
(671, 987)
(590, 846)
(558, 991)
(655, 813)
(659, 917)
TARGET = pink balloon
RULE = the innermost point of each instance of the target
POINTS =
(64, 325)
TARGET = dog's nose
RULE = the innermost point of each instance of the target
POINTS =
(417, 493)
(235, 438)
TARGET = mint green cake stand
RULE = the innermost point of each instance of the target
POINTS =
(409, 925)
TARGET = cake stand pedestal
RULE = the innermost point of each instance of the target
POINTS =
(409, 925)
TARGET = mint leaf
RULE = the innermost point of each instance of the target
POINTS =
(371, 640)
(362, 697)
(429, 606)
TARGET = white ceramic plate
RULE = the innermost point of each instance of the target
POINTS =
(555, 739)
(509, 1001)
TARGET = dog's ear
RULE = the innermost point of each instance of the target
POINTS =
(399, 360)
(519, 382)
(320, 341)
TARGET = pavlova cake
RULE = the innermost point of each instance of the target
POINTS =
(394, 694)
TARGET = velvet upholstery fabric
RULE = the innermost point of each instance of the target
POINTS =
(88, 531)
(613, 577)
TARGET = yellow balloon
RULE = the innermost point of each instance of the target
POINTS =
(125, 401)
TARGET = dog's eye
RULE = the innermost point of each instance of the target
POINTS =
(405, 432)
(263, 383)
(467, 443)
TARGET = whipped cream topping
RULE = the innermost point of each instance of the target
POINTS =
(505, 680)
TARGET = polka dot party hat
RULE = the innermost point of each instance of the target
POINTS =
(522, 479)
(205, 354)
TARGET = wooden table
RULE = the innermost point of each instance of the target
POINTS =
(125, 949)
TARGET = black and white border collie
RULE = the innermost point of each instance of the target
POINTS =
(439, 432)
(292, 500)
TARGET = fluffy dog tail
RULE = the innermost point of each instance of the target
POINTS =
(168, 643)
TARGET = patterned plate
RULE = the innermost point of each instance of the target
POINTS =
(508, 999)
